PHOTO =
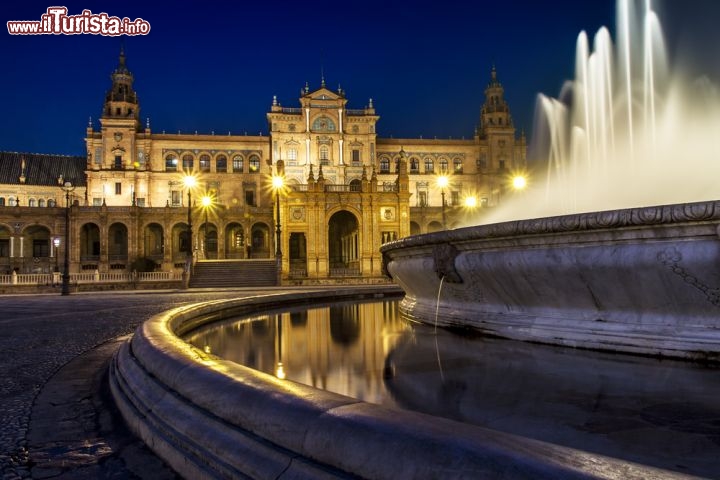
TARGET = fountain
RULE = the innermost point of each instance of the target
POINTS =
(629, 151)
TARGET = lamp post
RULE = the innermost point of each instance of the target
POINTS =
(442, 182)
(277, 182)
(206, 202)
(67, 188)
(56, 243)
(189, 182)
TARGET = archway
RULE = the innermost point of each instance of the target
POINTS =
(434, 227)
(117, 245)
(90, 243)
(260, 237)
(35, 249)
(343, 244)
(235, 241)
(154, 242)
(414, 228)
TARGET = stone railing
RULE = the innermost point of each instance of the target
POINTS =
(90, 277)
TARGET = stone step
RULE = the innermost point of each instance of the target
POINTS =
(234, 273)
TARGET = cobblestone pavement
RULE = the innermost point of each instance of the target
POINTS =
(43, 333)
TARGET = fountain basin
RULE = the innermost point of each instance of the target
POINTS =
(211, 418)
(641, 280)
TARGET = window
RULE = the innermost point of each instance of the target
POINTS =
(118, 162)
(414, 165)
(204, 163)
(41, 202)
(32, 203)
(355, 185)
(384, 165)
(140, 202)
(41, 248)
(484, 202)
(176, 198)
(51, 203)
(188, 162)
(454, 198)
(323, 124)
(356, 157)
(292, 156)
(429, 166)
(238, 164)
(250, 198)
(11, 201)
(422, 199)
(2, 201)
(324, 155)
(118, 188)
(254, 164)
(457, 165)
(4, 248)
(443, 165)
(97, 202)
(171, 163)
(221, 164)
(502, 164)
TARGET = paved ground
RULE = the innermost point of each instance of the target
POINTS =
(56, 418)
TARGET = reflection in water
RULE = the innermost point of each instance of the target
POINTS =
(329, 348)
(661, 413)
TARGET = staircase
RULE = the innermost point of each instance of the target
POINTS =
(233, 273)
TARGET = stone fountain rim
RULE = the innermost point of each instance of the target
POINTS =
(636, 217)
(210, 418)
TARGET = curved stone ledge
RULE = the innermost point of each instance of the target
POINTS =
(642, 280)
(209, 418)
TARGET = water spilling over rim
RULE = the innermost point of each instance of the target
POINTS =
(629, 131)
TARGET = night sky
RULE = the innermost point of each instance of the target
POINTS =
(215, 66)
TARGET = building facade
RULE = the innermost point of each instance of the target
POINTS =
(345, 190)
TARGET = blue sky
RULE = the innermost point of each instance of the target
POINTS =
(215, 66)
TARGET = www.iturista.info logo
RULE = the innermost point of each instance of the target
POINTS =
(56, 21)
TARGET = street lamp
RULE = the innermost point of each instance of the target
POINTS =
(519, 182)
(56, 243)
(206, 202)
(277, 184)
(189, 182)
(442, 182)
(67, 187)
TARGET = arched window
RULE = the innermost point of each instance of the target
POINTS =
(429, 166)
(323, 124)
(414, 165)
(384, 165)
(221, 164)
(204, 162)
(443, 165)
(188, 162)
(238, 164)
(171, 163)
(457, 165)
(41, 202)
(254, 164)
(11, 201)
(32, 202)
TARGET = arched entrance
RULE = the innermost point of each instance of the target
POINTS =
(118, 246)
(209, 240)
(260, 237)
(414, 228)
(343, 244)
(89, 245)
(35, 250)
(235, 241)
(434, 227)
(154, 242)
